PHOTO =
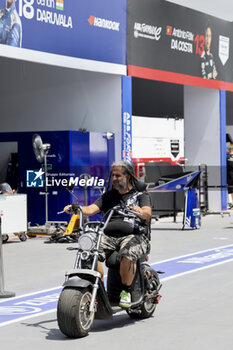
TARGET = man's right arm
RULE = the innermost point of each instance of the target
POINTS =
(90, 210)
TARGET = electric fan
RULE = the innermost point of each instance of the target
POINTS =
(41, 150)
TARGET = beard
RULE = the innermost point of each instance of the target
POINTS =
(121, 186)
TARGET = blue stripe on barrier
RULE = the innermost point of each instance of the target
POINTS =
(35, 304)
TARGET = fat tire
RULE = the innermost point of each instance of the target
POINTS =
(5, 238)
(68, 312)
(23, 237)
(145, 311)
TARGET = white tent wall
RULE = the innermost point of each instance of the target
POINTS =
(202, 136)
(41, 97)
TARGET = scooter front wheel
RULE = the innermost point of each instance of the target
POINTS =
(73, 315)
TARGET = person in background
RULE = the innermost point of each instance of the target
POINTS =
(208, 67)
(10, 25)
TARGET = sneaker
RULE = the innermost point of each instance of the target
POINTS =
(125, 300)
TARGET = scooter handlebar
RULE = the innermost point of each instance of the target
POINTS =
(74, 208)
(125, 211)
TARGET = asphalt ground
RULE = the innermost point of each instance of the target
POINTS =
(195, 312)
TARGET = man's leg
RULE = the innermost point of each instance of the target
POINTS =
(131, 249)
(100, 270)
(127, 271)
(107, 244)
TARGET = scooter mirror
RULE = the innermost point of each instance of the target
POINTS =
(70, 187)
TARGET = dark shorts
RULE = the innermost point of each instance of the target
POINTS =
(130, 246)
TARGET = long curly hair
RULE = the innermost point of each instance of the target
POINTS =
(127, 170)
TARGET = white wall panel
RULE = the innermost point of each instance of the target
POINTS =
(41, 97)
(202, 135)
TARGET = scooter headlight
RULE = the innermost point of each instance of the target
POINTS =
(86, 242)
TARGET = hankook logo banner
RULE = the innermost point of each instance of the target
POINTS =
(104, 23)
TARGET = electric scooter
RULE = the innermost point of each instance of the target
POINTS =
(84, 296)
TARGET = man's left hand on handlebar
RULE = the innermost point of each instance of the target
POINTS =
(143, 213)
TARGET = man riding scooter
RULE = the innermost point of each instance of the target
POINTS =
(129, 237)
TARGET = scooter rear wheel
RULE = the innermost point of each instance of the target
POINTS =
(73, 315)
(148, 307)
(146, 310)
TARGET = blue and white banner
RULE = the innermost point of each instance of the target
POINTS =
(90, 29)
(127, 119)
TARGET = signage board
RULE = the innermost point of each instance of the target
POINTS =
(173, 43)
(90, 29)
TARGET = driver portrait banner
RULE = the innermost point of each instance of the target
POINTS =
(169, 42)
(90, 29)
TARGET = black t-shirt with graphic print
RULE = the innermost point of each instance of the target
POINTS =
(120, 225)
